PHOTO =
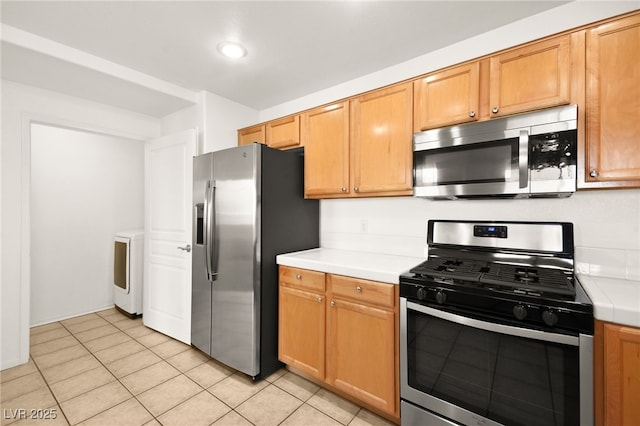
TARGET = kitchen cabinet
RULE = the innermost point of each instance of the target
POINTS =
(537, 75)
(283, 133)
(360, 147)
(617, 374)
(612, 154)
(447, 97)
(252, 134)
(343, 332)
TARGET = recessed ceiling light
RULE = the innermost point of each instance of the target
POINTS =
(232, 50)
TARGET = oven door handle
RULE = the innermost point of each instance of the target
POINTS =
(498, 328)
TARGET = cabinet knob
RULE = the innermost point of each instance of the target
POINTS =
(343, 189)
(495, 110)
(298, 277)
(332, 303)
(472, 114)
(319, 299)
(593, 173)
(358, 289)
(356, 189)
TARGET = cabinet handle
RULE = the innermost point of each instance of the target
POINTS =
(495, 110)
(332, 303)
(343, 189)
(319, 299)
(593, 173)
(298, 277)
(358, 289)
(472, 114)
(356, 189)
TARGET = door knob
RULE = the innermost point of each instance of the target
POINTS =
(186, 248)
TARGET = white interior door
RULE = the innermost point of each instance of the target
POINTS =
(167, 260)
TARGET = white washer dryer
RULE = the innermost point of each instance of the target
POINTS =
(127, 272)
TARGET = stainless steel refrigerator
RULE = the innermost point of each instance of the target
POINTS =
(248, 207)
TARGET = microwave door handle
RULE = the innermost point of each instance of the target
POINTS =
(523, 158)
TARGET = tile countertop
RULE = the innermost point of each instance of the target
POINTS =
(369, 266)
(614, 300)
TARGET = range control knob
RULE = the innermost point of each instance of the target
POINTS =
(549, 317)
(520, 312)
(422, 294)
(441, 297)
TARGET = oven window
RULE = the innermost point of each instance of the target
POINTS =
(508, 379)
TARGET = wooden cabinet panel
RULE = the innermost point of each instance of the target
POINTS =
(535, 76)
(381, 141)
(446, 98)
(363, 291)
(251, 134)
(621, 375)
(361, 359)
(325, 135)
(301, 330)
(284, 133)
(613, 103)
(302, 278)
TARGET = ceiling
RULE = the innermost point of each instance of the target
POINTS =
(160, 48)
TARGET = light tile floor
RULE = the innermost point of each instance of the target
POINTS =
(107, 369)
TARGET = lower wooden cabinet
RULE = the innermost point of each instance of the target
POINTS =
(345, 336)
(617, 375)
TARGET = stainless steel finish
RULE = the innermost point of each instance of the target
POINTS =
(358, 289)
(343, 189)
(537, 237)
(355, 188)
(416, 416)
(209, 236)
(472, 114)
(586, 380)
(593, 173)
(319, 299)
(523, 158)
(495, 110)
(186, 248)
(333, 303)
(498, 328)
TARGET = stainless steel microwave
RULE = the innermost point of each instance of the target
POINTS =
(520, 156)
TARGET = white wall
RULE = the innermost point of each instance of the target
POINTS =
(85, 187)
(20, 105)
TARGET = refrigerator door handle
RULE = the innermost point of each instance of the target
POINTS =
(212, 268)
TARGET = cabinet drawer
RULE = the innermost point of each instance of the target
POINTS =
(363, 290)
(302, 278)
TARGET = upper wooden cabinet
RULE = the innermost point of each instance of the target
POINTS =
(447, 97)
(360, 147)
(252, 134)
(284, 133)
(613, 104)
(535, 76)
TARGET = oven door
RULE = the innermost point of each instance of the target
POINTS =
(485, 373)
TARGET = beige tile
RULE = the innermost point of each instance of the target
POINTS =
(132, 363)
(17, 371)
(332, 405)
(94, 333)
(95, 401)
(232, 419)
(45, 327)
(153, 422)
(45, 336)
(269, 407)
(38, 399)
(128, 323)
(53, 345)
(14, 388)
(236, 389)
(59, 357)
(169, 348)
(128, 413)
(149, 377)
(188, 359)
(202, 409)
(107, 341)
(80, 319)
(48, 416)
(119, 351)
(86, 325)
(367, 418)
(209, 373)
(138, 331)
(153, 339)
(81, 383)
(307, 415)
(70, 368)
(297, 386)
(275, 376)
(164, 397)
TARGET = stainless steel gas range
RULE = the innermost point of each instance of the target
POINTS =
(495, 329)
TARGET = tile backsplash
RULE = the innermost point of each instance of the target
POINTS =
(612, 263)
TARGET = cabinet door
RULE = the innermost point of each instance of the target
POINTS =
(301, 330)
(325, 135)
(251, 134)
(613, 103)
(381, 141)
(532, 77)
(446, 98)
(284, 133)
(360, 353)
(622, 375)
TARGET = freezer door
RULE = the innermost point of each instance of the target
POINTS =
(201, 285)
(235, 264)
